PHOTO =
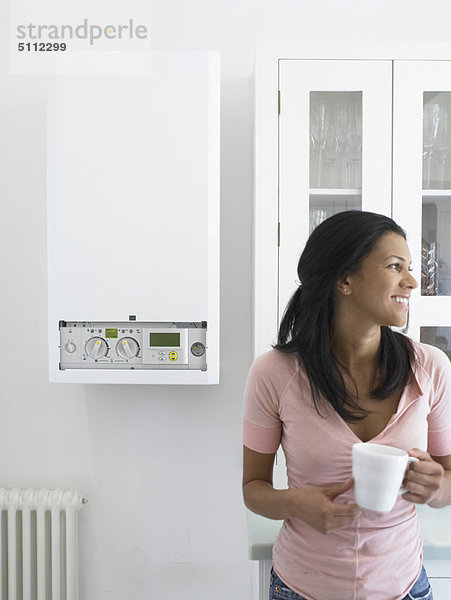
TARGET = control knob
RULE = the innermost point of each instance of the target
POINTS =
(96, 347)
(127, 347)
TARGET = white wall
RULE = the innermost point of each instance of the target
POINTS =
(160, 466)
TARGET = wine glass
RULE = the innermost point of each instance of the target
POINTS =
(354, 148)
(342, 123)
(317, 216)
(329, 150)
(318, 118)
(440, 148)
(431, 122)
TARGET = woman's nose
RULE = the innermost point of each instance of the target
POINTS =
(410, 282)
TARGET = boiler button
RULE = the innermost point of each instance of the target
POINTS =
(162, 358)
(198, 349)
(70, 347)
(173, 355)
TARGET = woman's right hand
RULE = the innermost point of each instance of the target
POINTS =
(313, 505)
(316, 507)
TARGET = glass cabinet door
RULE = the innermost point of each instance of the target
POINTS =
(422, 190)
(334, 148)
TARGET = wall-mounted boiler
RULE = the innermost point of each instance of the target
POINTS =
(133, 222)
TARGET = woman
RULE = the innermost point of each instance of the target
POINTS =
(337, 376)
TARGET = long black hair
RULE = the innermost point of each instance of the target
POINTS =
(335, 248)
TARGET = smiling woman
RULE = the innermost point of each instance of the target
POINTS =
(346, 302)
(340, 375)
(378, 293)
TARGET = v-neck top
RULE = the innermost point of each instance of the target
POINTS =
(379, 556)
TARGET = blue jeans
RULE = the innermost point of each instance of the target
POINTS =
(421, 589)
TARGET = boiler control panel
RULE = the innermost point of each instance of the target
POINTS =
(133, 345)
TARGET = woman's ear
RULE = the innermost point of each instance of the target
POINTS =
(343, 286)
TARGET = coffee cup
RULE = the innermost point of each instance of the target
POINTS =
(378, 472)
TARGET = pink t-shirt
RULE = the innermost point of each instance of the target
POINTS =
(379, 557)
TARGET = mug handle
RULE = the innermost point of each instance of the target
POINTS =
(409, 460)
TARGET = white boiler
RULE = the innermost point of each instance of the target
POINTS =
(133, 221)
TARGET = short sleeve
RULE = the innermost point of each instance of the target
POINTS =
(261, 423)
(439, 418)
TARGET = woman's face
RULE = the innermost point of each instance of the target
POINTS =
(379, 291)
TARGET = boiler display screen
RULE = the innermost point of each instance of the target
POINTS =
(164, 339)
(111, 333)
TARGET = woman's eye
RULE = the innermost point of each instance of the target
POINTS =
(398, 267)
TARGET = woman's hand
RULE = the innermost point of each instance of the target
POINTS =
(423, 479)
(315, 506)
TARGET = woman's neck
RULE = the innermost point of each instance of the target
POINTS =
(355, 346)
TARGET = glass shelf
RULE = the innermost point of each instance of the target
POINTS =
(436, 192)
(335, 192)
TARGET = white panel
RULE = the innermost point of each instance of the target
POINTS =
(134, 197)
(265, 249)
(297, 79)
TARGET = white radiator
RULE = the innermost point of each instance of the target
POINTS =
(38, 544)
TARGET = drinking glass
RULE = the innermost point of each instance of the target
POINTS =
(317, 132)
(431, 122)
(317, 216)
(354, 149)
(329, 150)
(342, 131)
(429, 267)
(440, 149)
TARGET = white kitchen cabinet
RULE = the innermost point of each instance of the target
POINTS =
(371, 150)
(355, 127)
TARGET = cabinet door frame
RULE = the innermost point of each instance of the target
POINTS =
(411, 80)
(297, 78)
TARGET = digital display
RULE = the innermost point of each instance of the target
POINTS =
(164, 339)
(111, 333)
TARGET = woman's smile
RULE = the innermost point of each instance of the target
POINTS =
(402, 301)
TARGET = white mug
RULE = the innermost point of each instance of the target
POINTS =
(378, 472)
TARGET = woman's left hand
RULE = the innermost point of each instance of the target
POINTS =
(423, 479)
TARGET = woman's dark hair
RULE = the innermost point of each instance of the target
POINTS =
(335, 248)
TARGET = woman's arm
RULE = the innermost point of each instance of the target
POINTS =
(313, 505)
(429, 480)
(444, 495)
